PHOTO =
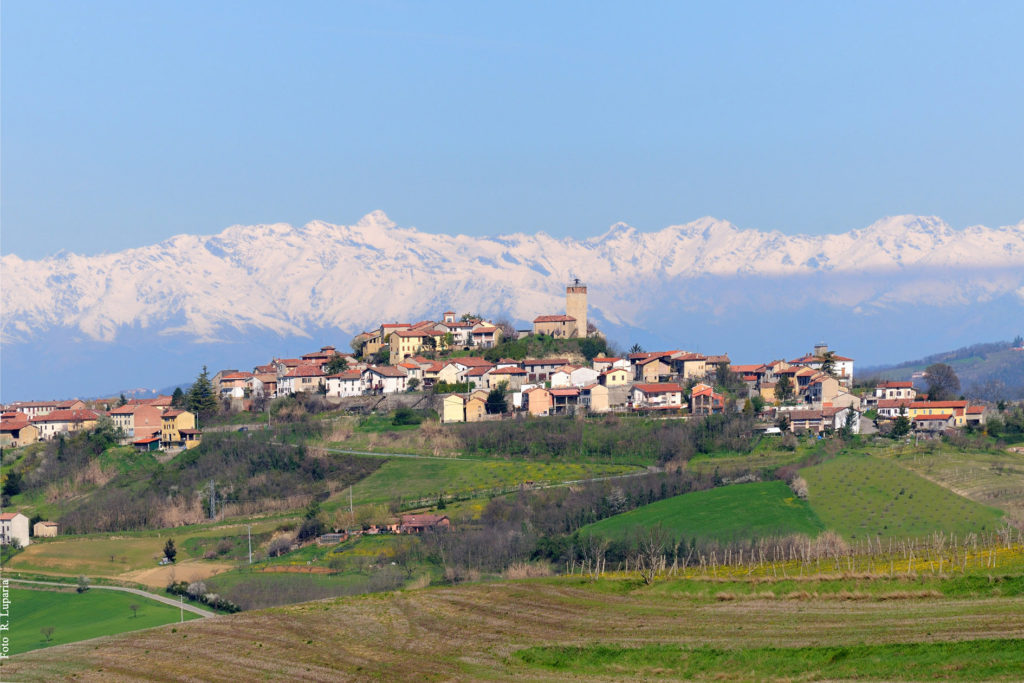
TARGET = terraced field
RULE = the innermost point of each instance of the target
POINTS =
(728, 513)
(865, 496)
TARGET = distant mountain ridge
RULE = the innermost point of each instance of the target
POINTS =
(705, 284)
(286, 279)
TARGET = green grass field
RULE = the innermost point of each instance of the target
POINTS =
(981, 660)
(727, 513)
(991, 478)
(414, 478)
(78, 616)
(865, 496)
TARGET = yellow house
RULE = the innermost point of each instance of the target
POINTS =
(453, 409)
(958, 409)
(614, 377)
(173, 423)
(476, 408)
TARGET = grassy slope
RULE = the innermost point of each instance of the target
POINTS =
(413, 478)
(731, 512)
(864, 496)
(990, 478)
(78, 616)
(475, 632)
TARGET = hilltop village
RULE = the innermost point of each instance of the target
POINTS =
(458, 366)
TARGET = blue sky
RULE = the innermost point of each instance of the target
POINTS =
(124, 123)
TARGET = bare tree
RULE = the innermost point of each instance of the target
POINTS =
(943, 384)
(47, 632)
(135, 609)
(651, 546)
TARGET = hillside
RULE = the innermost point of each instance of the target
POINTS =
(989, 371)
(553, 629)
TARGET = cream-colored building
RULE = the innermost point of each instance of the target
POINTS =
(595, 397)
(44, 529)
(64, 422)
(453, 409)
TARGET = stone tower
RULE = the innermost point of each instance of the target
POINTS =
(576, 305)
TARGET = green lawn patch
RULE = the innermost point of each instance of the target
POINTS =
(995, 659)
(419, 478)
(727, 513)
(78, 616)
(865, 496)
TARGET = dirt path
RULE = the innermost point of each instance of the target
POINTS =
(158, 577)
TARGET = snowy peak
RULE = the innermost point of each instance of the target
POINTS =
(284, 280)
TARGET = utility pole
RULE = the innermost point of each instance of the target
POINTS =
(181, 603)
(249, 526)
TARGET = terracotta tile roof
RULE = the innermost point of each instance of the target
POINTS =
(13, 425)
(68, 416)
(938, 404)
(306, 371)
(894, 402)
(485, 330)
(386, 371)
(940, 416)
(147, 440)
(975, 410)
(802, 414)
(478, 371)
(557, 362)
(611, 370)
(652, 359)
(658, 387)
(8, 516)
(748, 369)
(172, 413)
(347, 375)
(896, 385)
(236, 375)
(388, 326)
(508, 370)
(554, 319)
(564, 392)
(473, 361)
(606, 359)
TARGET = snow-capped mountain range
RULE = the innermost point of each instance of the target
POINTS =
(296, 282)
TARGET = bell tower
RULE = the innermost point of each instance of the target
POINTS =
(576, 305)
